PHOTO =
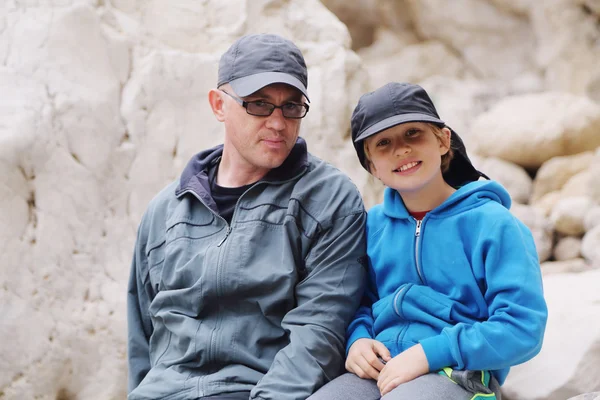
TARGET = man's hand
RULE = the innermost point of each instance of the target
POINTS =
(364, 358)
(406, 366)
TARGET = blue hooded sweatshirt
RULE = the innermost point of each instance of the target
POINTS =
(465, 282)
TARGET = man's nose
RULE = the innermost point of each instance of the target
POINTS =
(276, 120)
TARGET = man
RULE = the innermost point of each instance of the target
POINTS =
(247, 270)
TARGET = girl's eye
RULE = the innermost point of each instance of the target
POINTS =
(411, 132)
(383, 142)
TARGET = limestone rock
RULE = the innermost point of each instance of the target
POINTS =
(514, 178)
(561, 267)
(587, 396)
(418, 62)
(590, 245)
(578, 185)
(547, 202)
(540, 227)
(571, 345)
(554, 173)
(567, 216)
(567, 248)
(592, 218)
(567, 35)
(361, 17)
(471, 34)
(531, 129)
(594, 184)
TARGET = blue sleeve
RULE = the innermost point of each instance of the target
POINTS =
(517, 311)
(139, 324)
(361, 326)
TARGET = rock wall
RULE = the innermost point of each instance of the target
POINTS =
(104, 101)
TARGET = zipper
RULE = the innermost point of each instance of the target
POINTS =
(213, 336)
(417, 248)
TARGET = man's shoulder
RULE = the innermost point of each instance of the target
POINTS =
(325, 187)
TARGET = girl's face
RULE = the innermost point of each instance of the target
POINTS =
(407, 157)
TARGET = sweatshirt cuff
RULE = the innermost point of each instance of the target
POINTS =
(361, 332)
(437, 351)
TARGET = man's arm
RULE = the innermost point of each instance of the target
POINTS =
(138, 319)
(326, 301)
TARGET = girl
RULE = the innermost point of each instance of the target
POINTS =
(455, 291)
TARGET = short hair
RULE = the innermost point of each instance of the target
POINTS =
(437, 131)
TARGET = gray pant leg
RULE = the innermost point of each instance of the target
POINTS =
(348, 387)
(434, 386)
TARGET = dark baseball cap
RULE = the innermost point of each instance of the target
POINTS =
(395, 104)
(255, 61)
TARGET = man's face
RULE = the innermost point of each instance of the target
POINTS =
(257, 143)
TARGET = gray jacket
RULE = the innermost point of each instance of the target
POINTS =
(259, 305)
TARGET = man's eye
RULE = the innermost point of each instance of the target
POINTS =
(292, 106)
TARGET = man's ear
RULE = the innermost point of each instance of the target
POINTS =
(217, 103)
(445, 141)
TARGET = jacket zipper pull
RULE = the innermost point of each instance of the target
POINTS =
(418, 230)
(225, 238)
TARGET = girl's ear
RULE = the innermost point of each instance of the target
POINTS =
(445, 141)
(215, 99)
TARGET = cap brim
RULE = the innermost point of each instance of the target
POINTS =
(250, 84)
(396, 120)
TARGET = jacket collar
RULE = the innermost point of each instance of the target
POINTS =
(195, 175)
(466, 197)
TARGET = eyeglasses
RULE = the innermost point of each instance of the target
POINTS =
(262, 108)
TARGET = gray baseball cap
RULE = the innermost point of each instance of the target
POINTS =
(255, 61)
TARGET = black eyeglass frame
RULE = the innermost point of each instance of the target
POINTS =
(246, 103)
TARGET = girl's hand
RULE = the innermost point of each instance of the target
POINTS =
(365, 358)
(406, 366)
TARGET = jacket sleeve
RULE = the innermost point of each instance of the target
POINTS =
(326, 301)
(361, 326)
(139, 325)
(514, 330)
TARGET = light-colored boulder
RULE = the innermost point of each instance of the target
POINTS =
(571, 342)
(567, 248)
(361, 17)
(531, 129)
(590, 245)
(547, 202)
(567, 35)
(418, 62)
(472, 34)
(555, 172)
(561, 267)
(587, 396)
(594, 184)
(592, 218)
(515, 6)
(540, 227)
(568, 214)
(514, 178)
(578, 185)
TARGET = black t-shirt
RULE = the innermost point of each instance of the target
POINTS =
(225, 198)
